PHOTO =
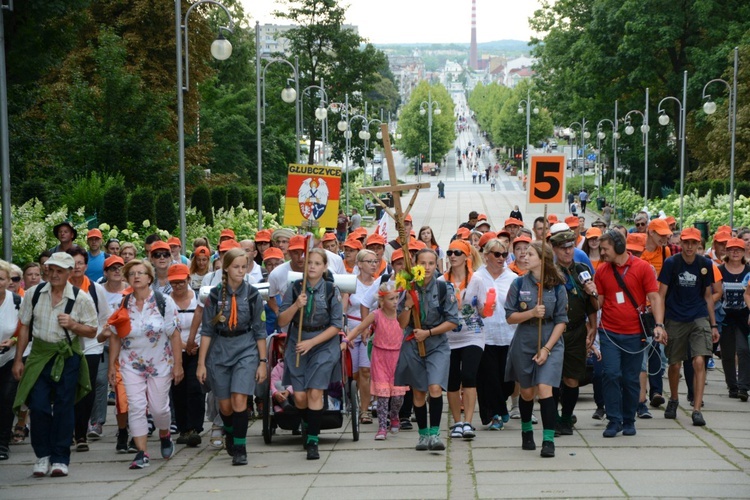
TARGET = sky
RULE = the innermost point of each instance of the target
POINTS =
(425, 21)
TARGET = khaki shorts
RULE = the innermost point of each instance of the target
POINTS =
(695, 334)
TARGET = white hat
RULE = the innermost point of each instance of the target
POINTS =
(61, 259)
(559, 227)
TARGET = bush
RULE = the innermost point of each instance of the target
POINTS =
(271, 202)
(115, 207)
(234, 196)
(655, 191)
(166, 213)
(201, 200)
(89, 191)
(219, 198)
(718, 187)
(142, 207)
(34, 189)
(250, 197)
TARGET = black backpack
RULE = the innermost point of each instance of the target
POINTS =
(68, 308)
(161, 301)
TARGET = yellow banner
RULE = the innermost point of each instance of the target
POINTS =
(312, 195)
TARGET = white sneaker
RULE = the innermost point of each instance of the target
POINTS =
(515, 413)
(59, 470)
(533, 419)
(41, 467)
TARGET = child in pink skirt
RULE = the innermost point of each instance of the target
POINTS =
(386, 345)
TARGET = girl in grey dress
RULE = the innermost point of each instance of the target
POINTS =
(319, 350)
(232, 353)
(429, 373)
(537, 371)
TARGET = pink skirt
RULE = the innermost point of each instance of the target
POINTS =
(382, 373)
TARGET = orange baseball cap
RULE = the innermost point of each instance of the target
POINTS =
(120, 319)
(112, 260)
(375, 239)
(227, 233)
(353, 243)
(174, 241)
(636, 242)
(407, 218)
(670, 220)
(178, 272)
(397, 255)
(521, 239)
(572, 221)
(273, 253)
(463, 232)
(416, 245)
(726, 229)
(722, 237)
(481, 217)
(593, 232)
(227, 245)
(297, 242)
(736, 243)
(552, 219)
(512, 221)
(159, 245)
(690, 233)
(263, 236)
(202, 251)
(329, 237)
(94, 233)
(489, 235)
(660, 226)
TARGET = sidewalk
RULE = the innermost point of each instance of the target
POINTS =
(667, 458)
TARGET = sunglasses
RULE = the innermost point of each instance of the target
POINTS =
(454, 253)
(497, 255)
(640, 224)
(161, 255)
(114, 269)
(16, 279)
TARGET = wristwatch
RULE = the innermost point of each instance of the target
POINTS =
(264, 360)
(659, 325)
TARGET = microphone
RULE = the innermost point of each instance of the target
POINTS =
(584, 277)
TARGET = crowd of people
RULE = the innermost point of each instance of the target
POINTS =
(498, 320)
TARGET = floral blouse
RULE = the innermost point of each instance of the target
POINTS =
(147, 350)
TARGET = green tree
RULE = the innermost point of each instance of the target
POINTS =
(414, 126)
(115, 207)
(166, 212)
(201, 200)
(141, 206)
(509, 126)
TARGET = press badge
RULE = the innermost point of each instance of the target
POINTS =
(524, 295)
(620, 296)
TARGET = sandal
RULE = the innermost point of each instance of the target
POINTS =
(19, 434)
(365, 419)
(217, 437)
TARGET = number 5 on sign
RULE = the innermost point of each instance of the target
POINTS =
(547, 179)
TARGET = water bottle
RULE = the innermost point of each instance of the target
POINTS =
(489, 302)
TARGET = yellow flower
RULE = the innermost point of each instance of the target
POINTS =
(401, 282)
(418, 273)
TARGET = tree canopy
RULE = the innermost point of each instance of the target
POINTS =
(414, 126)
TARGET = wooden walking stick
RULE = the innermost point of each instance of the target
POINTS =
(304, 288)
(540, 299)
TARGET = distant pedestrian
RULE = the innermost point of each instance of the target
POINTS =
(441, 189)
(474, 175)
(583, 197)
(493, 181)
(516, 213)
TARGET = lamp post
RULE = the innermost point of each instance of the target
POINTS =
(664, 120)
(527, 102)
(288, 95)
(343, 126)
(429, 111)
(710, 108)
(321, 114)
(4, 142)
(644, 131)
(601, 135)
(221, 49)
(585, 134)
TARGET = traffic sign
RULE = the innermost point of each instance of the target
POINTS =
(547, 179)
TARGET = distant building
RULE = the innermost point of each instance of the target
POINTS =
(409, 71)
(272, 39)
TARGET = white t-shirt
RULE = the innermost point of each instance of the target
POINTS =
(471, 330)
(8, 324)
(497, 331)
(185, 319)
(90, 345)
(357, 299)
(255, 275)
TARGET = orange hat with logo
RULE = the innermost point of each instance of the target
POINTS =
(228, 245)
(273, 253)
(691, 233)
(174, 241)
(636, 242)
(489, 235)
(660, 226)
(94, 233)
(736, 243)
(159, 245)
(572, 221)
(263, 236)
(178, 272)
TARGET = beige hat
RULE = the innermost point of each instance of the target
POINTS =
(61, 259)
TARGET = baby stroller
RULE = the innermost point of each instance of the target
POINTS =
(341, 398)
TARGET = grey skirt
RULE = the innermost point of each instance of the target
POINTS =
(521, 368)
(317, 369)
(231, 365)
(420, 373)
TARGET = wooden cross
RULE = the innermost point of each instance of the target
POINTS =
(397, 214)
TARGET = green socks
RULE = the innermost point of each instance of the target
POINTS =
(527, 426)
(434, 431)
(548, 435)
(239, 441)
(312, 439)
(424, 432)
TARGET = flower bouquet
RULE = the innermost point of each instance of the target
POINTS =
(408, 281)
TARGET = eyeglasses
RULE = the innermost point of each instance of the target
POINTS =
(161, 255)
(371, 262)
(114, 269)
(16, 279)
(137, 273)
(454, 253)
(497, 255)
(640, 224)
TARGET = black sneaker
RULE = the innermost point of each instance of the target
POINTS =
(240, 455)
(122, 441)
(734, 394)
(671, 411)
(140, 461)
(193, 439)
(406, 425)
(657, 400)
(743, 395)
(599, 414)
(698, 420)
(312, 451)
(132, 448)
(548, 449)
(527, 440)
(565, 427)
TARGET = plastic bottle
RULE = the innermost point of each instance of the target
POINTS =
(489, 302)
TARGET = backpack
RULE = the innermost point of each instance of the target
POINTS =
(330, 289)
(161, 301)
(251, 294)
(16, 301)
(68, 308)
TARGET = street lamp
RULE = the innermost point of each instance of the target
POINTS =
(221, 49)
(585, 134)
(429, 111)
(288, 95)
(644, 131)
(4, 142)
(527, 102)
(664, 120)
(321, 114)
(601, 135)
(710, 108)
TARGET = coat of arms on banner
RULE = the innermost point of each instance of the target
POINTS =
(313, 197)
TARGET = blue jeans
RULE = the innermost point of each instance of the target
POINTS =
(621, 374)
(101, 389)
(597, 382)
(52, 433)
(655, 369)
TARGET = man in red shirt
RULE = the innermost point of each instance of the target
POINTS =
(621, 335)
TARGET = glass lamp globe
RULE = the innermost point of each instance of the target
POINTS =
(362, 134)
(663, 119)
(629, 130)
(601, 135)
(645, 129)
(221, 48)
(342, 126)
(520, 110)
(587, 135)
(616, 135)
(398, 136)
(536, 111)
(379, 135)
(348, 134)
(288, 95)
(321, 113)
(422, 111)
(709, 107)
(437, 111)
(572, 134)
